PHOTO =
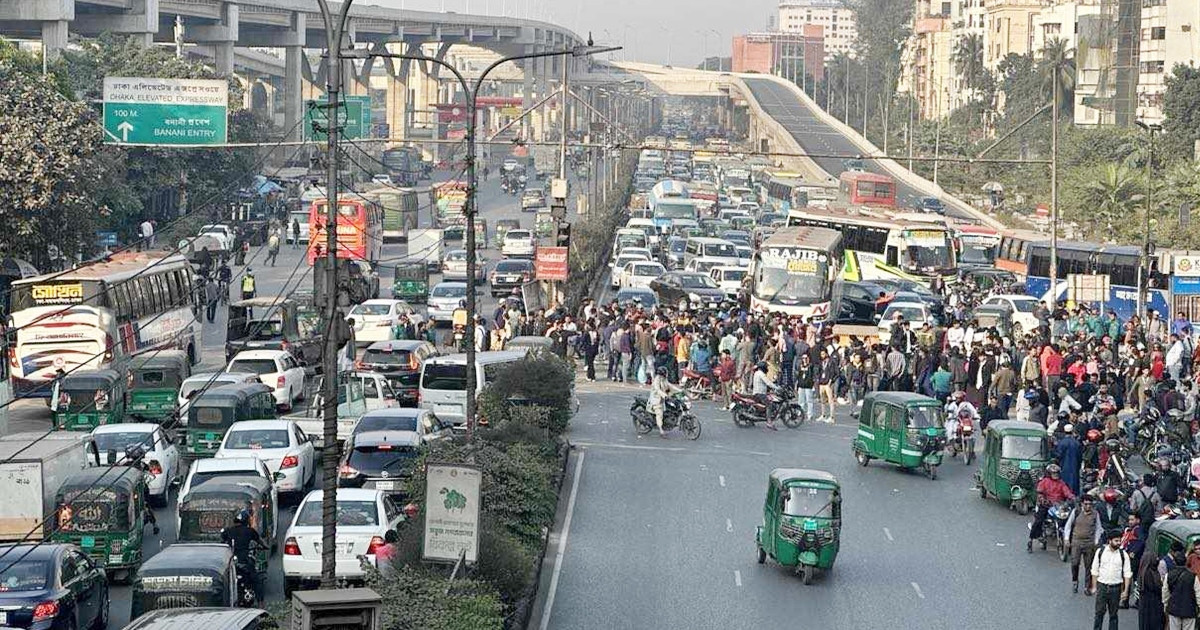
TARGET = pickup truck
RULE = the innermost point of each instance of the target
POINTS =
(270, 323)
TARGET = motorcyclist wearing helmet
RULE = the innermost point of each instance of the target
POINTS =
(1112, 510)
(1051, 490)
(760, 386)
(243, 538)
(959, 408)
(660, 389)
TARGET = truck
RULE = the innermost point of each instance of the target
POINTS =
(545, 160)
(425, 244)
(34, 466)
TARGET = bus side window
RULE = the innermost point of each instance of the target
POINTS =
(893, 255)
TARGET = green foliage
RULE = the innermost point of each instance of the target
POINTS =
(504, 562)
(541, 379)
(416, 599)
(1181, 107)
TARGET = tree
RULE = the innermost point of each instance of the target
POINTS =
(1109, 198)
(968, 61)
(49, 167)
(1181, 110)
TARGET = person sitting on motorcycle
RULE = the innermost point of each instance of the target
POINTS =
(1111, 510)
(760, 386)
(958, 407)
(660, 389)
(243, 539)
(1051, 490)
(1171, 486)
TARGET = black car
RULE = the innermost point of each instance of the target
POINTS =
(930, 204)
(52, 586)
(687, 288)
(636, 296)
(674, 252)
(914, 292)
(380, 460)
(857, 302)
(510, 274)
(399, 361)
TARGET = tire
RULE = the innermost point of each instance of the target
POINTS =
(983, 493)
(739, 420)
(690, 426)
(101, 621)
(791, 419)
(289, 587)
(807, 573)
(762, 555)
(862, 458)
(640, 426)
(967, 454)
(931, 471)
(1022, 507)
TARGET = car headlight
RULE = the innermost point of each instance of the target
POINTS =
(695, 297)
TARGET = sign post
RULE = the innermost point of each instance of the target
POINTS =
(452, 512)
(1082, 288)
(353, 115)
(550, 263)
(176, 112)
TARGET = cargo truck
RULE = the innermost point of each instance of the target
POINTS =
(32, 468)
(425, 244)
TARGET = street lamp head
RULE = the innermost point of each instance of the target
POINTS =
(591, 49)
(1151, 127)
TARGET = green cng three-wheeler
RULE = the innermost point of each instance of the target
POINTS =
(207, 509)
(902, 428)
(102, 511)
(86, 399)
(156, 379)
(411, 281)
(186, 575)
(802, 521)
(1015, 454)
(212, 413)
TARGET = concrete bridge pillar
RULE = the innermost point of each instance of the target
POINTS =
(221, 36)
(397, 99)
(54, 38)
(293, 74)
(139, 21)
(53, 15)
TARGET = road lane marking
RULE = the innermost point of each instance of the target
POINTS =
(721, 478)
(916, 587)
(562, 543)
(628, 446)
(887, 532)
(728, 525)
(737, 578)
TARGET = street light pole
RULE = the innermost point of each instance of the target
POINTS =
(1143, 298)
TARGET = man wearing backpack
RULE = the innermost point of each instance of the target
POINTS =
(1145, 502)
(1111, 574)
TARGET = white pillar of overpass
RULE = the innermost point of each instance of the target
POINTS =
(221, 36)
(293, 74)
(54, 38)
(139, 21)
(528, 69)
(397, 93)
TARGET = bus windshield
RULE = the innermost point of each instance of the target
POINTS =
(927, 249)
(778, 285)
(668, 210)
(977, 254)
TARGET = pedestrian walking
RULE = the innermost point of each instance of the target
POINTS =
(295, 233)
(146, 230)
(248, 288)
(1111, 574)
(272, 248)
(212, 297)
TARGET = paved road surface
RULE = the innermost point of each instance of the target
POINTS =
(662, 536)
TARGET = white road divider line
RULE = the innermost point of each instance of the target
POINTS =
(737, 578)
(887, 532)
(917, 588)
(562, 543)
(728, 525)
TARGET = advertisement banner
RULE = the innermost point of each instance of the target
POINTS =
(452, 512)
(551, 263)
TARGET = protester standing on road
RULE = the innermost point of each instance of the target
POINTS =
(272, 248)
(295, 233)
(212, 297)
(248, 288)
(1180, 594)
(1112, 571)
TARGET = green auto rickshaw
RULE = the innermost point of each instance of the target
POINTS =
(211, 414)
(156, 379)
(411, 282)
(903, 428)
(802, 521)
(186, 575)
(86, 399)
(103, 512)
(1015, 454)
(207, 509)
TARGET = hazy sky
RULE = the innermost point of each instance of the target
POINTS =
(649, 29)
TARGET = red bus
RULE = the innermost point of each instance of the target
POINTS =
(359, 230)
(868, 189)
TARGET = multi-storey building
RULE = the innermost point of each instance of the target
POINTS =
(833, 16)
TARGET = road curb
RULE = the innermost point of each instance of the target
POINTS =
(523, 610)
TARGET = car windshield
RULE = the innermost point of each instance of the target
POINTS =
(1023, 447)
(24, 575)
(809, 502)
(518, 234)
(697, 282)
(255, 439)
(512, 266)
(732, 275)
(388, 422)
(647, 270)
(371, 309)
(720, 250)
(1024, 306)
(349, 513)
(254, 366)
(910, 314)
(445, 376)
(677, 245)
(376, 356)
(443, 290)
(393, 458)
(120, 441)
(924, 417)
(456, 255)
(977, 255)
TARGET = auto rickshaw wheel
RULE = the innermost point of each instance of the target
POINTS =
(807, 572)
(1022, 507)
(983, 493)
(931, 470)
(862, 458)
(762, 554)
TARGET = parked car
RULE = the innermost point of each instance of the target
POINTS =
(373, 320)
(160, 455)
(49, 586)
(638, 296)
(685, 288)
(510, 274)
(363, 519)
(1022, 307)
(279, 444)
(399, 361)
(915, 313)
(223, 233)
(444, 299)
(729, 279)
(277, 369)
(519, 244)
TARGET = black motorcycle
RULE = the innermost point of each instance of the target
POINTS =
(677, 412)
(748, 410)
(247, 578)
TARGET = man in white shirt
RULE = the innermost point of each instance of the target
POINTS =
(147, 229)
(954, 335)
(1111, 574)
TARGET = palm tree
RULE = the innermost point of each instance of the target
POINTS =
(1056, 70)
(1111, 195)
(968, 61)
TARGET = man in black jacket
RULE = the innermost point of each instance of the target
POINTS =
(1180, 593)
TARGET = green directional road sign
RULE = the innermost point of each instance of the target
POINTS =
(178, 112)
(354, 117)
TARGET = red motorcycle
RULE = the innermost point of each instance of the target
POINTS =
(698, 385)
(963, 440)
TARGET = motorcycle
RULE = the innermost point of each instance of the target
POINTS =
(963, 440)
(697, 384)
(748, 410)
(1053, 529)
(247, 593)
(677, 412)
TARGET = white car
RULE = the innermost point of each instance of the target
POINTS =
(519, 244)
(277, 369)
(161, 455)
(454, 266)
(373, 320)
(382, 178)
(363, 519)
(647, 226)
(203, 470)
(193, 385)
(280, 444)
(1022, 307)
(728, 278)
(618, 266)
(915, 313)
(221, 232)
(444, 299)
(705, 265)
(300, 217)
(639, 273)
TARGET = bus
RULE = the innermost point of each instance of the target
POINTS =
(976, 245)
(1121, 263)
(1013, 251)
(914, 247)
(784, 191)
(859, 188)
(400, 208)
(359, 229)
(403, 165)
(100, 314)
(793, 271)
(451, 199)
(670, 200)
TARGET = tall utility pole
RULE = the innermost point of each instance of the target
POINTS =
(1143, 299)
(562, 136)
(329, 383)
(1054, 194)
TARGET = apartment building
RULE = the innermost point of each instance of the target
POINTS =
(1008, 29)
(789, 55)
(1170, 35)
(835, 19)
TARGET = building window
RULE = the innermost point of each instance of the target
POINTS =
(1158, 32)
(1152, 67)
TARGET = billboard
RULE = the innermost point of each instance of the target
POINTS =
(452, 512)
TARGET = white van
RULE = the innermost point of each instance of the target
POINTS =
(444, 381)
(714, 248)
